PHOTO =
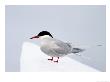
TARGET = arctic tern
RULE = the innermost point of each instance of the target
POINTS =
(54, 47)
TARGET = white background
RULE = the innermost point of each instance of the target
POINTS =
(50, 76)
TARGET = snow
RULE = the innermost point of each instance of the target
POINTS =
(33, 60)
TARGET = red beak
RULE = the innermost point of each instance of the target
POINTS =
(34, 37)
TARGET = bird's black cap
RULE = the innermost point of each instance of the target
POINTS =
(42, 33)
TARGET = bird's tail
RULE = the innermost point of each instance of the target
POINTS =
(77, 49)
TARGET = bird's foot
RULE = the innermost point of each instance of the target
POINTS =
(56, 61)
(51, 59)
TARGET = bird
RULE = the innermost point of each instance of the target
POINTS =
(54, 47)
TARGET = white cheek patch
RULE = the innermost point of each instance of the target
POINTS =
(44, 37)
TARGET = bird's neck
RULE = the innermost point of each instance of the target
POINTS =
(46, 41)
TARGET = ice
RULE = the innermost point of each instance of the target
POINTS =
(33, 60)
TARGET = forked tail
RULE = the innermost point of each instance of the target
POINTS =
(78, 49)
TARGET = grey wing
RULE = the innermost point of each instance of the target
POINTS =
(63, 48)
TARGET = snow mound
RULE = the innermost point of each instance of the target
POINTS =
(33, 60)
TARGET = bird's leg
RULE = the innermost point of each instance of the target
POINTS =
(57, 60)
(51, 59)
